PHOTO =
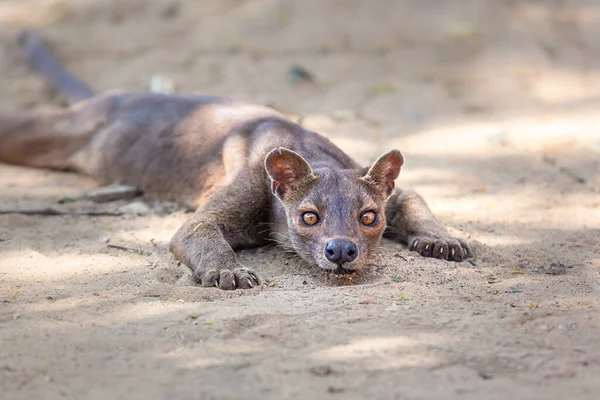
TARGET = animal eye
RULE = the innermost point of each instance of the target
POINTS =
(310, 218)
(368, 218)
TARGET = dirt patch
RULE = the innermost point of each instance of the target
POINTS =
(494, 105)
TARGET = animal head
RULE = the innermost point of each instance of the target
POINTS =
(336, 218)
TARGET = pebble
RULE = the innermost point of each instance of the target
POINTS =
(162, 84)
(298, 73)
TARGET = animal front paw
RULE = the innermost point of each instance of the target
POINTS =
(445, 247)
(227, 279)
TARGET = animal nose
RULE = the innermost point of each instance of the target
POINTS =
(341, 251)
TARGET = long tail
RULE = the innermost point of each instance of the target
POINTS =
(40, 58)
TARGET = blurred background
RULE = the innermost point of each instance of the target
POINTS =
(376, 70)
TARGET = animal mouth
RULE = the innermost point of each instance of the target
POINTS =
(337, 269)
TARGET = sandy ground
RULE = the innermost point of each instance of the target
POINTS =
(495, 107)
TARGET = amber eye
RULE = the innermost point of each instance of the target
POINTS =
(310, 218)
(368, 218)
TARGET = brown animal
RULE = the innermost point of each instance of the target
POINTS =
(243, 166)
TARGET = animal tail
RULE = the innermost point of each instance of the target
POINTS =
(41, 58)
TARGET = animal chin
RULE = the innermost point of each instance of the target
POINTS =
(328, 266)
(342, 271)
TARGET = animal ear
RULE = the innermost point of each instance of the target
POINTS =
(385, 170)
(288, 170)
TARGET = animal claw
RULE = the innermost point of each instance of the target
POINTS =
(250, 282)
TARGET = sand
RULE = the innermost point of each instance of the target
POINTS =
(494, 106)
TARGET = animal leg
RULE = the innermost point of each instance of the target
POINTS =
(53, 139)
(410, 221)
(39, 140)
(229, 220)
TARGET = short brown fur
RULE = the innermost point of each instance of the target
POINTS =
(243, 167)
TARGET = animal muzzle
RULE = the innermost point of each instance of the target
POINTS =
(340, 251)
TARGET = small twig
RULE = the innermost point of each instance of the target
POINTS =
(564, 170)
(577, 178)
(402, 257)
(129, 249)
(52, 212)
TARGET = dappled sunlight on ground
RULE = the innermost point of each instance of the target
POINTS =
(494, 105)
(388, 352)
